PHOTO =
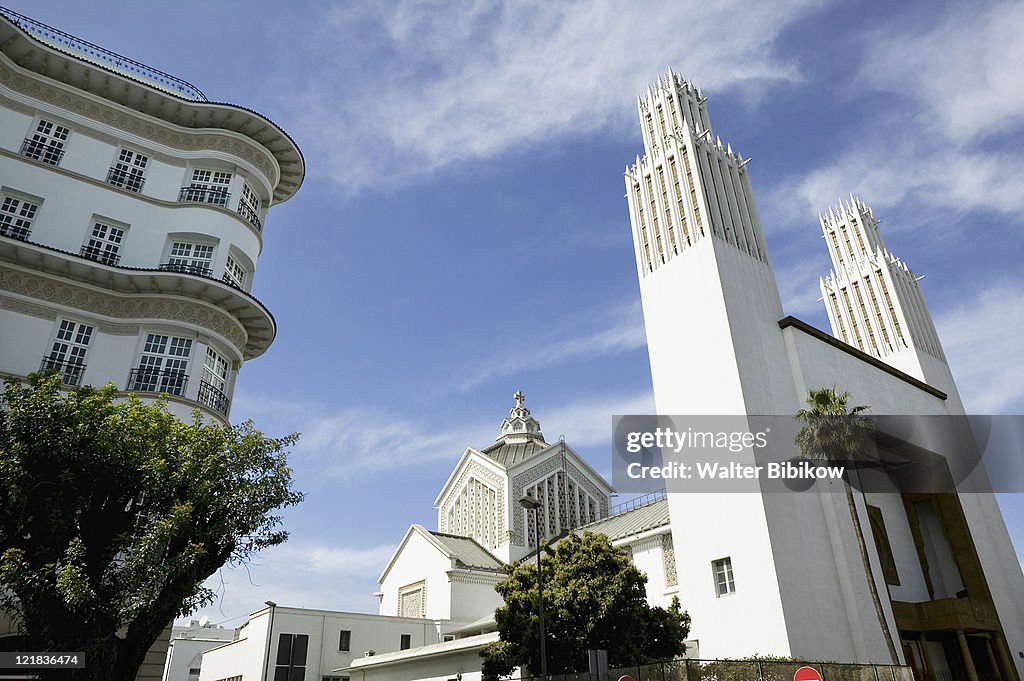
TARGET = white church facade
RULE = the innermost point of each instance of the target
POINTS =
(760, 574)
(952, 596)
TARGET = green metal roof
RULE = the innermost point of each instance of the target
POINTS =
(631, 522)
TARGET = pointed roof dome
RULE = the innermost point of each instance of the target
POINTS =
(520, 426)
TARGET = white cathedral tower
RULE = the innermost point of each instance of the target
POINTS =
(941, 590)
(873, 299)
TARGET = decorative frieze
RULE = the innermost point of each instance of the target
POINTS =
(25, 307)
(138, 124)
(668, 558)
(68, 294)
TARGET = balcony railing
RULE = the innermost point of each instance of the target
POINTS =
(213, 398)
(39, 150)
(107, 257)
(203, 194)
(150, 380)
(104, 57)
(187, 268)
(126, 179)
(70, 372)
(246, 211)
(8, 228)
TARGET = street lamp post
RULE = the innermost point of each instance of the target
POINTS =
(529, 503)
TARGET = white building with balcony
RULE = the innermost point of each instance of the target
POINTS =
(131, 221)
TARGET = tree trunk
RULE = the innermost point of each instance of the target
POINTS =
(866, 562)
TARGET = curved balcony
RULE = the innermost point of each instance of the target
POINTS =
(43, 50)
(256, 327)
(213, 398)
(203, 194)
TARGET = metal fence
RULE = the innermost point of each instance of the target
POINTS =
(740, 670)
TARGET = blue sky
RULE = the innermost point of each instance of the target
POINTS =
(462, 233)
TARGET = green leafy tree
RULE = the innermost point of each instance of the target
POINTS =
(114, 512)
(837, 434)
(594, 598)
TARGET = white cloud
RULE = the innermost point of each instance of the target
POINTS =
(798, 288)
(606, 333)
(948, 89)
(588, 422)
(413, 87)
(965, 72)
(981, 337)
(298, 575)
(348, 442)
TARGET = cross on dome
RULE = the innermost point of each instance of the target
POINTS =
(520, 425)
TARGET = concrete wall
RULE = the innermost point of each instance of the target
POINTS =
(436, 663)
(187, 646)
(649, 558)
(419, 561)
(248, 655)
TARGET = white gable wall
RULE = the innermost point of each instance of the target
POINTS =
(419, 561)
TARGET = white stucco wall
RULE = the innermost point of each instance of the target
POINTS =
(184, 654)
(419, 561)
(437, 663)
(649, 559)
(247, 656)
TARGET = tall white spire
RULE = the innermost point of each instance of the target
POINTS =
(873, 299)
(688, 185)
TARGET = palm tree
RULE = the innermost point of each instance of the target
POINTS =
(833, 433)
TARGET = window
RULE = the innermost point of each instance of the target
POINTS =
(163, 366)
(249, 206)
(234, 273)
(189, 257)
(46, 143)
(128, 171)
(406, 642)
(67, 356)
(16, 217)
(207, 186)
(724, 583)
(214, 383)
(345, 640)
(881, 537)
(291, 657)
(448, 637)
(104, 244)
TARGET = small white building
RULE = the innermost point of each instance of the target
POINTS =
(279, 642)
(186, 648)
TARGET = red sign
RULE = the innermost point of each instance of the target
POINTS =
(807, 674)
(626, 677)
